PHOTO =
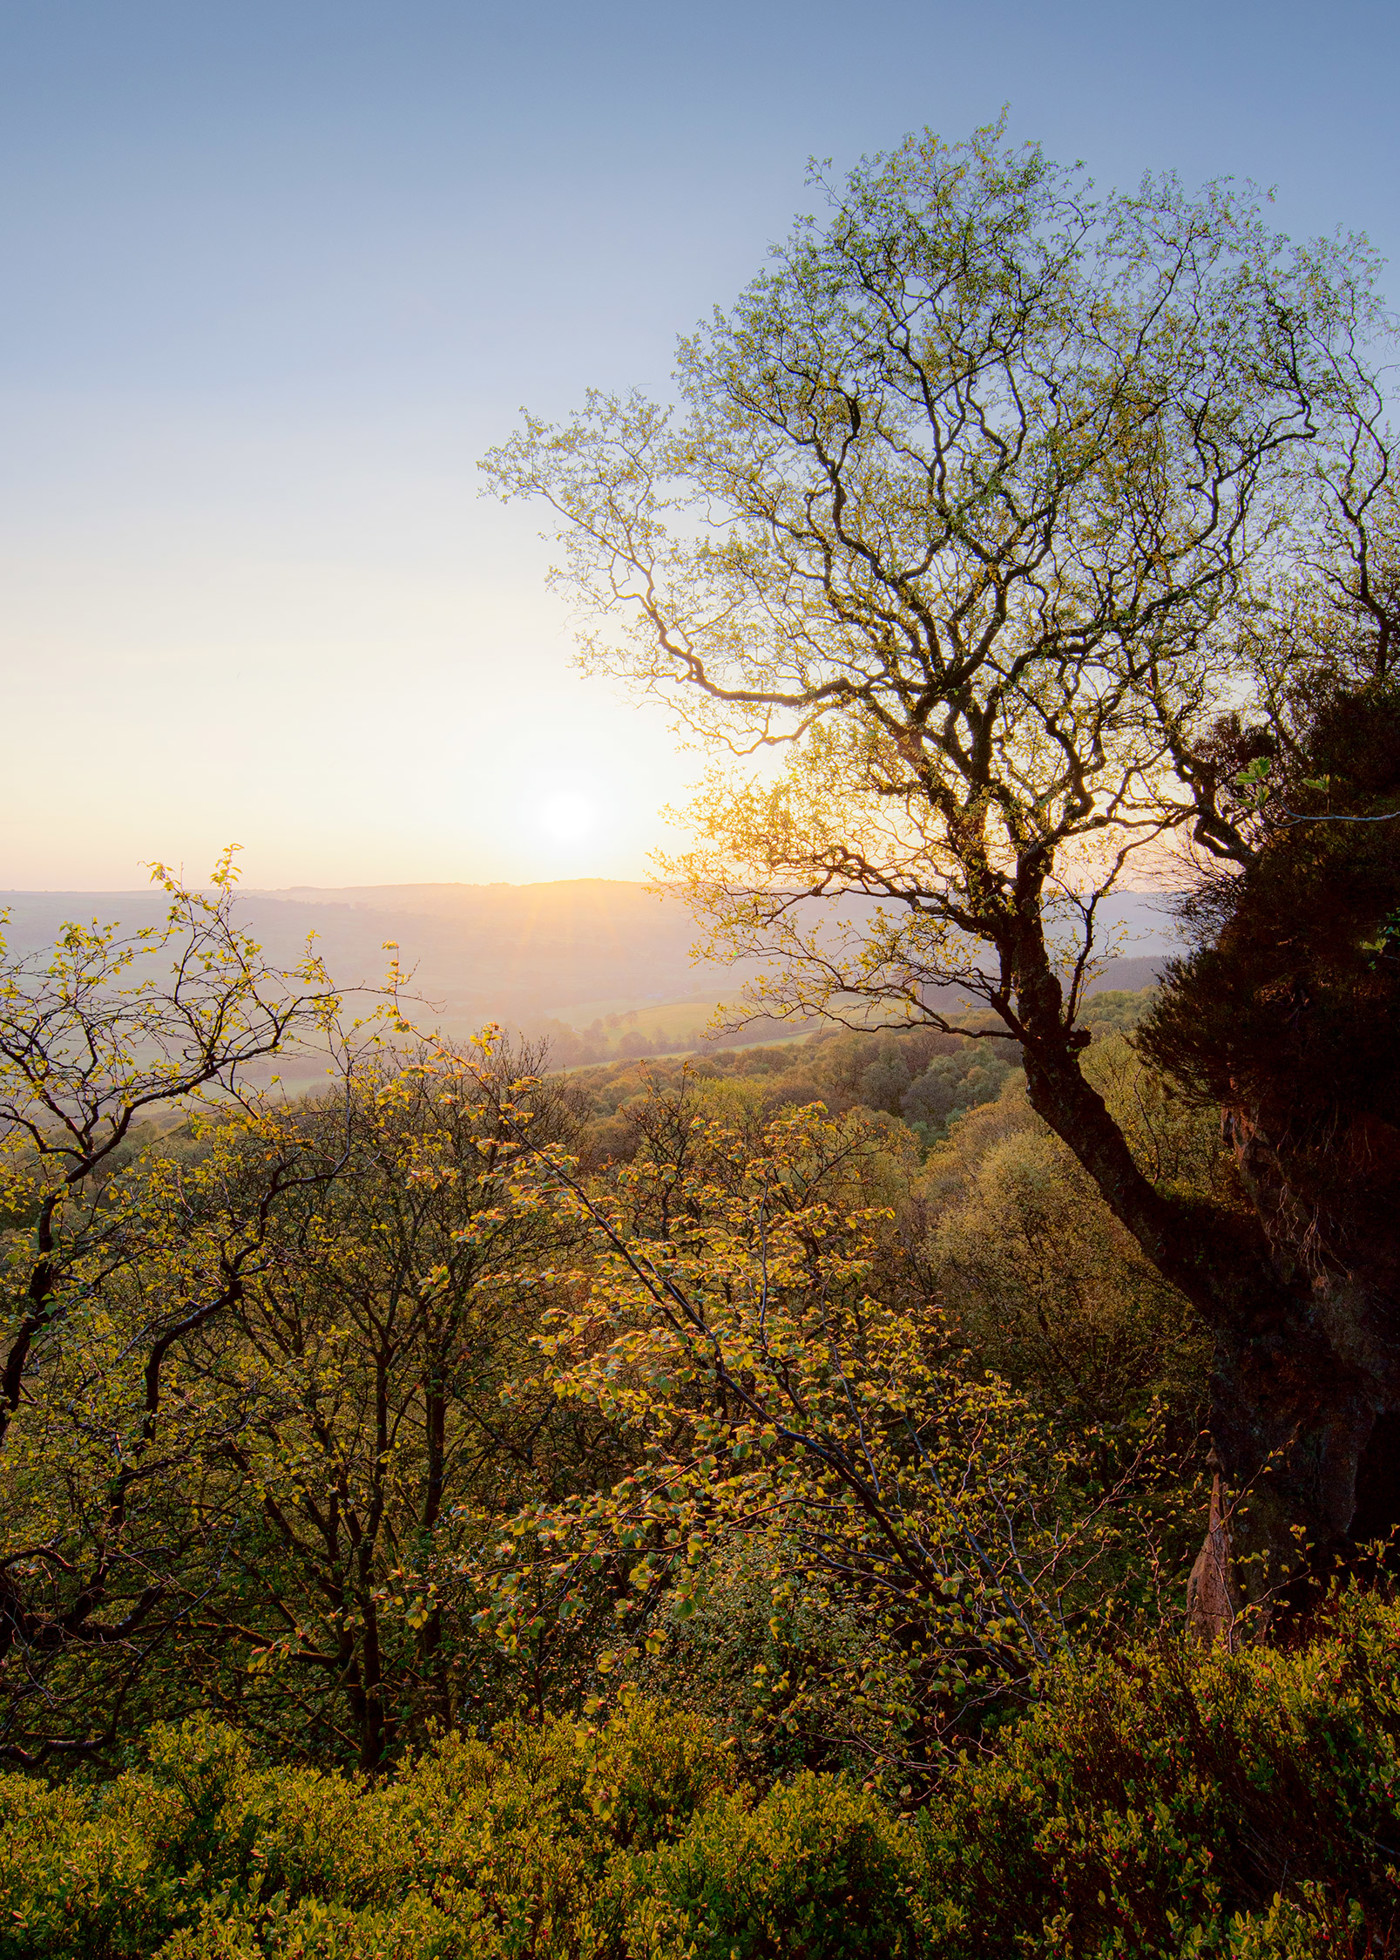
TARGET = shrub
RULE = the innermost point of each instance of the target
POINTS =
(75, 1880)
(1163, 1803)
(527, 1846)
(1156, 1802)
(415, 1930)
(818, 1869)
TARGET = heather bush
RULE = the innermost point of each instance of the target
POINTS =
(524, 1846)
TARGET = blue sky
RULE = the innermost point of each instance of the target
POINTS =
(276, 275)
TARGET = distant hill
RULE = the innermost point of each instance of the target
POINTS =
(576, 951)
(513, 950)
(580, 947)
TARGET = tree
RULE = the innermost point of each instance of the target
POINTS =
(1046, 1285)
(380, 1360)
(110, 1277)
(975, 507)
(781, 1422)
(1286, 1018)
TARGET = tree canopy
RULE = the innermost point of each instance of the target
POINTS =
(1002, 508)
(966, 502)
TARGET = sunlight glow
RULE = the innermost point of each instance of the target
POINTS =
(567, 818)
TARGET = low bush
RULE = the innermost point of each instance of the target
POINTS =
(818, 1869)
(1155, 1802)
(527, 1846)
(1160, 1802)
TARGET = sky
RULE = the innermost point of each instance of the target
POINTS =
(276, 276)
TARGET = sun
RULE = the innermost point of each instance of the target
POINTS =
(566, 817)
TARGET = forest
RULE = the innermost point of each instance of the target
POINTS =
(924, 1485)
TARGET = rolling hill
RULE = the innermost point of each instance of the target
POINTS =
(577, 951)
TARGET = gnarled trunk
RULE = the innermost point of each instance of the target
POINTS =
(1305, 1390)
(1307, 1399)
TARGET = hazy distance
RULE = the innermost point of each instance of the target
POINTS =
(601, 954)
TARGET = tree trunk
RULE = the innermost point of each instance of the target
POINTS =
(1315, 1385)
(1305, 1388)
(1213, 1597)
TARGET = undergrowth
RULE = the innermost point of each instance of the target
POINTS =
(1155, 1802)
